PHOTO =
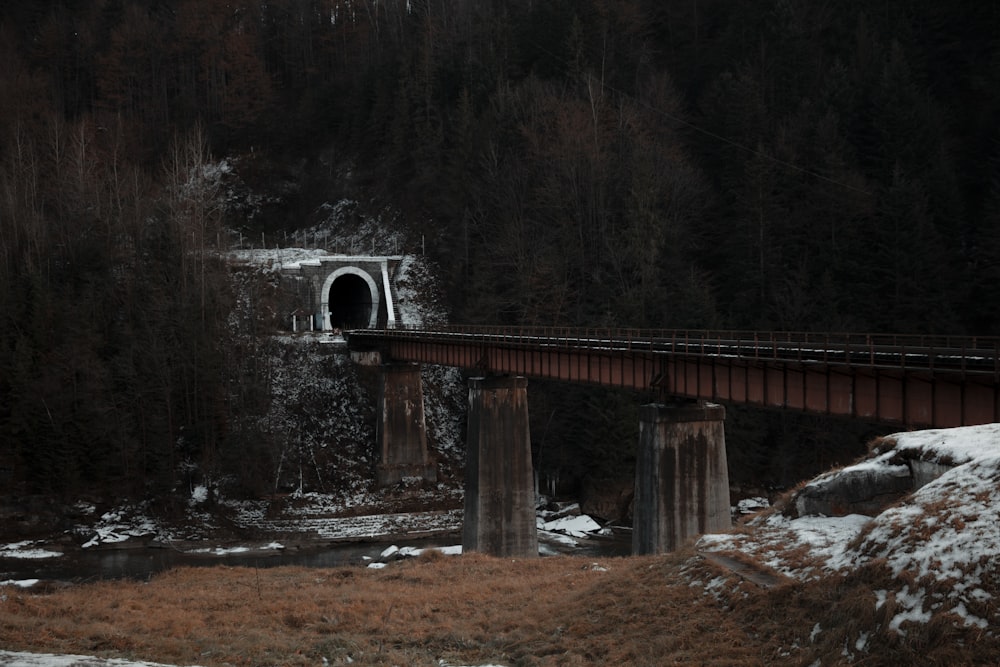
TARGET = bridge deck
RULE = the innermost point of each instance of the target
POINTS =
(913, 380)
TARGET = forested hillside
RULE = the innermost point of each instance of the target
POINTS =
(773, 164)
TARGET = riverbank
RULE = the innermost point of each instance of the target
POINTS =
(429, 610)
(313, 530)
(476, 610)
(912, 580)
(203, 521)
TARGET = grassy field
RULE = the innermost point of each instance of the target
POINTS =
(473, 609)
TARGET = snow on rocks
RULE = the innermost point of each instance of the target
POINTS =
(938, 542)
(863, 488)
(27, 549)
(367, 526)
(135, 521)
(751, 505)
(944, 538)
(121, 524)
(574, 526)
(117, 526)
(950, 446)
(394, 553)
(564, 524)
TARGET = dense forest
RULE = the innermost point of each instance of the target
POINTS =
(770, 164)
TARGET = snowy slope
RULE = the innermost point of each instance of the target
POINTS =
(938, 544)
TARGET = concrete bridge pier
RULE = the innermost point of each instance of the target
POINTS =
(499, 484)
(681, 478)
(401, 430)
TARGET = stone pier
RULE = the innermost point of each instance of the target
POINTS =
(499, 485)
(401, 432)
(681, 478)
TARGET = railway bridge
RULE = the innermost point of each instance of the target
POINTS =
(681, 476)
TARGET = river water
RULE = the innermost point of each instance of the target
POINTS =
(141, 563)
(144, 562)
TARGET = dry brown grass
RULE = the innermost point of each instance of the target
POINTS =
(465, 610)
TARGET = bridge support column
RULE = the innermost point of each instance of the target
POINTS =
(499, 485)
(681, 478)
(400, 431)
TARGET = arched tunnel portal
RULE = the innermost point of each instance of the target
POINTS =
(350, 299)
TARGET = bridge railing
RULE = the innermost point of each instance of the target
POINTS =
(906, 352)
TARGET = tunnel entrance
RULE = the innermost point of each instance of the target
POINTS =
(350, 302)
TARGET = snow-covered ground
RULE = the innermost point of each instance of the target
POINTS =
(939, 543)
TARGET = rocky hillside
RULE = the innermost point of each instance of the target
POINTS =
(915, 522)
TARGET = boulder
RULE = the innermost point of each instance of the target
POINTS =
(857, 490)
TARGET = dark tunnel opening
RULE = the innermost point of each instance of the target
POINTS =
(350, 302)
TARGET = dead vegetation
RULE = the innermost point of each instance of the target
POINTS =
(475, 609)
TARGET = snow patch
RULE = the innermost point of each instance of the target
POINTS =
(199, 494)
(942, 538)
(27, 550)
(574, 526)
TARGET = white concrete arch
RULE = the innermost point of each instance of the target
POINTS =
(328, 283)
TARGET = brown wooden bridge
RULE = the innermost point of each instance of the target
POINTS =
(908, 379)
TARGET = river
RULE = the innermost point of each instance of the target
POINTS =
(143, 562)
